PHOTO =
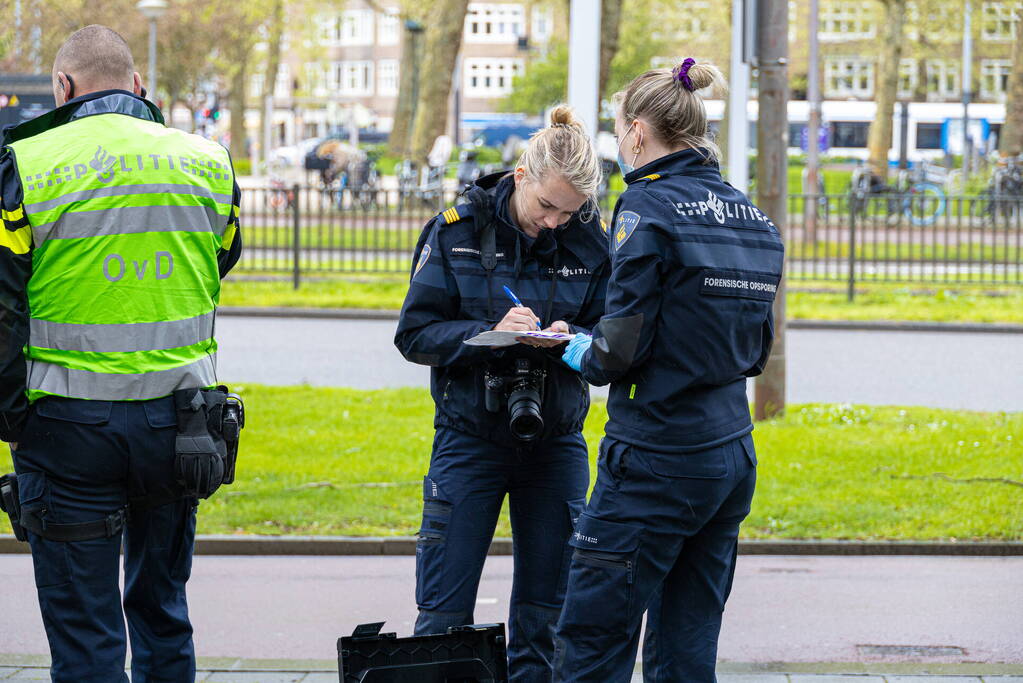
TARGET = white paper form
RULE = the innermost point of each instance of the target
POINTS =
(510, 338)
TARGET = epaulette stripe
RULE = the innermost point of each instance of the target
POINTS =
(652, 176)
(451, 215)
(603, 225)
(15, 215)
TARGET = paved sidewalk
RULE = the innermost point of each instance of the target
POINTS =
(241, 671)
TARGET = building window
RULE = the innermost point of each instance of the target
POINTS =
(994, 78)
(494, 23)
(848, 77)
(942, 79)
(999, 20)
(849, 133)
(692, 23)
(846, 20)
(542, 25)
(490, 77)
(352, 78)
(390, 27)
(329, 29)
(319, 79)
(908, 77)
(387, 77)
(928, 136)
(357, 27)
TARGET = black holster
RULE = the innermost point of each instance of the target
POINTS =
(206, 446)
(11, 504)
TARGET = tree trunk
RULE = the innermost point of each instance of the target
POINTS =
(610, 21)
(236, 103)
(275, 31)
(1011, 143)
(405, 108)
(886, 87)
(443, 41)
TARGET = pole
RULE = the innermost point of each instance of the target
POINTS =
(967, 73)
(268, 113)
(738, 97)
(584, 62)
(296, 238)
(457, 95)
(813, 126)
(152, 60)
(772, 178)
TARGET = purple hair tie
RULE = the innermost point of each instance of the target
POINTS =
(681, 73)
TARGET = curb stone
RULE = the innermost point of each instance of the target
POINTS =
(209, 544)
(852, 325)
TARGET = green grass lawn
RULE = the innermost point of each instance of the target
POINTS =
(341, 461)
(807, 299)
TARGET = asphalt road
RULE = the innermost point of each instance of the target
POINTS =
(974, 371)
(782, 609)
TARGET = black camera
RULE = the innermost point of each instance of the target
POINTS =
(522, 391)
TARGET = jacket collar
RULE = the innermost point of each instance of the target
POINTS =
(90, 104)
(683, 162)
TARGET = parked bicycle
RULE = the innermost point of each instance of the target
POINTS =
(1003, 199)
(914, 195)
(420, 186)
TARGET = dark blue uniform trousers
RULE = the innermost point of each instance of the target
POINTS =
(81, 461)
(660, 534)
(546, 484)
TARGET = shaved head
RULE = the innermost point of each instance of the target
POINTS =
(96, 58)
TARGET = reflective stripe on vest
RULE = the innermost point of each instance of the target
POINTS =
(47, 379)
(127, 217)
(121, 338)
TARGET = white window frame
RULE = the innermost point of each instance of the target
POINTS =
(908, 77)
(387, 77)
(994, 72)
(499, 71)
(945, 72)
(389, 27)
(318, 77)
(1000, 21)
(541, 24)
(844, 20)
(487, 22)
(848, 77)
(328, 28)
(353, 78)
(692, 24)
(356, 27)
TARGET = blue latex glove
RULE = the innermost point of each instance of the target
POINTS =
(573, 355)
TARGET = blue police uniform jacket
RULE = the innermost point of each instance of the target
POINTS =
(695, 270)
(562, 274)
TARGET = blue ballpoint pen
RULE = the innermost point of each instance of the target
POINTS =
(515, 300)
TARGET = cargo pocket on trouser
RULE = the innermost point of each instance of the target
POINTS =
(431, 545)
(603, 573)
(575, 510)
(49, 558)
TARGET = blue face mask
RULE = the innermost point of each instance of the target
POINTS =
(624, 167)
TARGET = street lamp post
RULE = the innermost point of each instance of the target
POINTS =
(152, 10)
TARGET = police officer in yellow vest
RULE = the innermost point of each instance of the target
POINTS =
(116, 233)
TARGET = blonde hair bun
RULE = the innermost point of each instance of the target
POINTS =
(704, 75)
(563, 148)
(671, 104)
(564, 115)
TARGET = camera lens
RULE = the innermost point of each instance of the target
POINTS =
(524, 419)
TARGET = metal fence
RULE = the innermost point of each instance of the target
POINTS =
(302, 230)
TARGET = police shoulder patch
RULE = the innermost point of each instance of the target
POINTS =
(625, 226)
(424, 256)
